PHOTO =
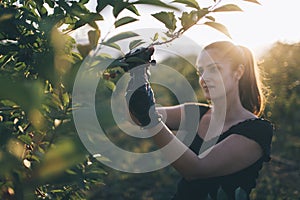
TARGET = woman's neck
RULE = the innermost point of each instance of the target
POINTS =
(228, 109)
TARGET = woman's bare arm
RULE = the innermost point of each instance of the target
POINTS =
(172, 115)
(221, 160)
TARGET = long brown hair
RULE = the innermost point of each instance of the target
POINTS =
(251, 89)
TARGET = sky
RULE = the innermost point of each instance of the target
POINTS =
(257, 27)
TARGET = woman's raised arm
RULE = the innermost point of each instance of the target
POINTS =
(172, 115)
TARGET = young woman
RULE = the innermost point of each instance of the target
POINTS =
(241, 139)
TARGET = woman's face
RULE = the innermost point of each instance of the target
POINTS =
(216, 75)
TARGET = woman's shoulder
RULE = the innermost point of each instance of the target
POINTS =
(258, 129)
(256, 123)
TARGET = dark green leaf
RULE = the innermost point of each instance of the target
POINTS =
(219, 27)
(79, 24)
(133, 9)
(50, 3)
(25, 138)
(95, 16)
(69, 20)
(83, 1)
(189, 3)
(78, 9)
(33, 158)
(101, 4)
(124, 20)
(121, 36)
(253, 1)
(135, 43)
(39, 3)
(119, 7)
(43, 11)
(64, 5)
(155, 3)
(227, 7)
(93, 24)
(168, 18)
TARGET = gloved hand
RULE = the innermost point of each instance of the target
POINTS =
(139, 94)
(138, 57)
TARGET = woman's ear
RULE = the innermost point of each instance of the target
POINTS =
(239, 71)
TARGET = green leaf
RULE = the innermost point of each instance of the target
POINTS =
(227, 8)
(210, 18)
(25, 138)
(119, 7)
(188, 3)
(94, 36)
(219, 27)
(168, 18)
(65, 99)
(93, 24)
(124, 20)
(50, 3)
(121, 36)
(43, 11)
(33, 158)
(95, 16)
(201, 13)
(110, 85)
(83, 1)
(156, 3)
(112, 44)
(156, 35)
(133, 9)
(240, 194)
(79, 24)
(189, 19)
(135, 43)
(101, 4)
(253, 1)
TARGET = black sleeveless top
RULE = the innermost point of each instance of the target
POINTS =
(257, 129)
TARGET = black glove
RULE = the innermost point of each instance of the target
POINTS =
(139, 94)
(138, 57)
